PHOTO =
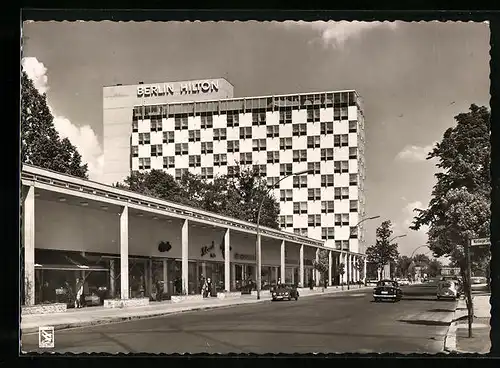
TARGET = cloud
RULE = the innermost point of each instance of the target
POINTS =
(414, 153)
(336, 34)
(409, 213)
(82, 137)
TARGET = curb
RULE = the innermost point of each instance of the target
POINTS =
(109, 320)
(450, 340)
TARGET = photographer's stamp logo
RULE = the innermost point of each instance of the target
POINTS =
(45, 337)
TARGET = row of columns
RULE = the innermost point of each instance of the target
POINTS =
(29, 255)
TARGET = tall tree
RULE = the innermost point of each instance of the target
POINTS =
(322, 264)
(460, 206)
(402, 265)
(40, 142)
(433, 268)
(383, 252)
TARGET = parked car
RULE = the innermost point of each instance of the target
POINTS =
(387, 290)
(448, 289)
(284, 291)
(479, 283)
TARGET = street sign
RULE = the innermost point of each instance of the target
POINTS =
(480, 242)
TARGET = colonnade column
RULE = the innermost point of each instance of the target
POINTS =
(185, 257)
(29, 246)
(165, 277)
(343, 258)
(112, 288)
(227, 261)
(364, 271)
(330, 268)
(282, 262)
(233, 276)
(301, 265)
(124, 294)
(316, 272)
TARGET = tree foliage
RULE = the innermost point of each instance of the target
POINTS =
(41, 144)
(322, 264)
(383, 252)
(237, 197)
(402, 266)
(460, 206)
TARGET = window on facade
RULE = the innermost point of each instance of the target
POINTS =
(285, 169)
(353, 153)
(313, 115)
(194, 136)
(327, 207)
(273, 157)
(246, 158)
(258, 118)
(300, 156)
(353, 206)
(336, 113)
(246, 133)
(156, 125)
(207, 172)
(313, 220)
(144, 138)
(232, 171)
(344, 167)
(300, 181)
(135, 126)
(194, 161)
(345, 192)
(181, 122)
(327, 233)
(168, 137)
(286, 195)
(233, 119)
(144, 163)
(220, 134)
(313, 141)
(353, 179)
(344, 140)
(314, 167)
(327, 128)
(137, 113)
(233, 146)
(179, 173)
(259, 145)
(207, 120)
(338, 219)
(326, 154)
(285, 143)
(314, 194)
(345, 219)
(327, 180)
(273, 131)
(207, 147)
(286, 221)
(299, 129)
(353, 126)
(301, 231)
(156, 150)
(260, 170)
(220, 159)
(285, 116)
(272, 181)
(135, 151)
(354, 232)
(168, 162)
(343, 113)
(300, 208)
(181, 148)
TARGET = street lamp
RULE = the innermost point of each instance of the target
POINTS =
(350, 234)
(417, 248)
(257, 243)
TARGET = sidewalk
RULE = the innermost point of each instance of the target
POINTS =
(99, 315)
(458, 340)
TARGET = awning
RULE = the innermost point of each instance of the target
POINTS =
(65, 261)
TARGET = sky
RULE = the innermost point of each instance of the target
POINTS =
(413, 78)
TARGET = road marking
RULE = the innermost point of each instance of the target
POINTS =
(357, 294)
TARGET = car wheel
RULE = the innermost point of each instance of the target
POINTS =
(376, 300)
(289, 298)
(296, 298)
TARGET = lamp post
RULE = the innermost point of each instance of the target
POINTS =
(350, 234)
(258, 243)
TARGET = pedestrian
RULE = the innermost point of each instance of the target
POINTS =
(159, 290)
(79, 293)
(204, 289)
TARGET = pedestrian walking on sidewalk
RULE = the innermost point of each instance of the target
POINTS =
(79, 293)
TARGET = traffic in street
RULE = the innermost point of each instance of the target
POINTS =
(336, 323)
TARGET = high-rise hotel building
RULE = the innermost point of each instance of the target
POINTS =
(199, 126)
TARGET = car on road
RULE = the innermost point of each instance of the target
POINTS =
(479, 283)
(387, 290)
(284, 292)
(448, 289)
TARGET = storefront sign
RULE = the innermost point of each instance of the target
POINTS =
(244, 257)
(181, 88)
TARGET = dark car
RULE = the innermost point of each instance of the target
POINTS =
(387, 290)
(284, 291)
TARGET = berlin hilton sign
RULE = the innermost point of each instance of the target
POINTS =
(182, 88)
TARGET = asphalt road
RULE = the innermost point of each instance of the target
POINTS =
(335, 323)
